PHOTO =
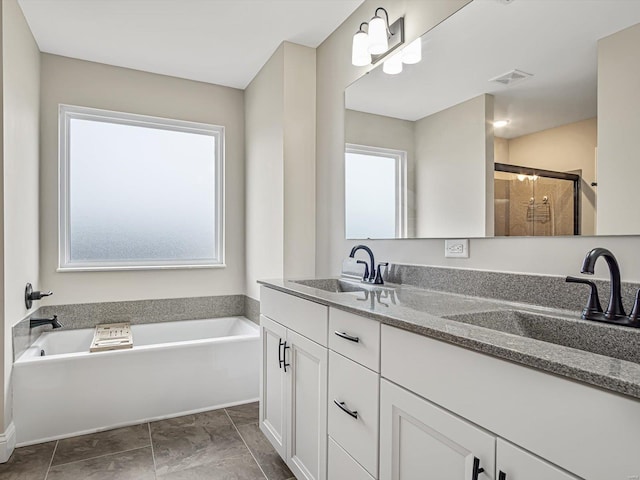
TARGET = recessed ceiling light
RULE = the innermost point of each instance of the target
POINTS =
(500, 123)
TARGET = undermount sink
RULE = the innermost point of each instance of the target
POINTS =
(604, 339)
(338, 285)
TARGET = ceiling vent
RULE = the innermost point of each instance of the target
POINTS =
(511, 77)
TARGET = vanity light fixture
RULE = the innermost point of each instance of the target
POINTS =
(360, 55)
(501, 123)
(393, 65)
(412, 53)
(378, 41)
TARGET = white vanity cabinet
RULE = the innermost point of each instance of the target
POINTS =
(438, 400)
(293, 384)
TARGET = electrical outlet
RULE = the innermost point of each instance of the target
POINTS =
(456, 248)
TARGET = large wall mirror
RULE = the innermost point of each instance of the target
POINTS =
(521, 119)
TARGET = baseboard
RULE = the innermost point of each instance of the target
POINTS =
(7, 442)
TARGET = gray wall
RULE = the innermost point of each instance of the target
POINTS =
(618, 127)
(280, 183)
(78, 82)
(20, 93)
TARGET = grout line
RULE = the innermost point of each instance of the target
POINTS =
(153, 455)
(101, 456)
(245, 444)
(55, 447)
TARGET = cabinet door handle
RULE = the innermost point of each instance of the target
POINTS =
(282, 358)
(344, 408)
(502, 475)
(477, 470)
(346, 336)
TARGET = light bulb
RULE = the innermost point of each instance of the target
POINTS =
(500, 123)
(360, 55)
(393, 66)
(378, 39)
(412, 53)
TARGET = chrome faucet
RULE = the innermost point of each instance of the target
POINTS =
(53, 321)
(371, 275)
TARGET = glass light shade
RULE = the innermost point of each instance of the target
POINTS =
(378, 39)
(393, 66)
(412, 53)
(360, 55)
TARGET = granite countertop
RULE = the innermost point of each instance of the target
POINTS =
(425, 312)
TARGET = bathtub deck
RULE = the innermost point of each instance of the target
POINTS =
(217, 444)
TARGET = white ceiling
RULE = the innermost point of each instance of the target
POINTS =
(556, 40)
(224, 42)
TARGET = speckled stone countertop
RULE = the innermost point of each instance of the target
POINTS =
(615, 366)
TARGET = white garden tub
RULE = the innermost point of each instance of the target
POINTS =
(173, 369)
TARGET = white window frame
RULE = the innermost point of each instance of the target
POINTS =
(400, 157)
(68, 112)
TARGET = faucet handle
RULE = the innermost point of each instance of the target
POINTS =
(593, 303)
(634, 316)
(379, 280)
(365, 277)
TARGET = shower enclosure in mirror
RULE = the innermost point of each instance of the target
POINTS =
(566, 93)
(532, 202)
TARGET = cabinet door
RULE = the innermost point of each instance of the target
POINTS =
(517, 464)
(273, 416)
(307, 407)
(420, 441)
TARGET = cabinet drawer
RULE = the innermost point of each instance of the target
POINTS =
(355, 337)
(342, 466)
(358, 388)
(307, 318)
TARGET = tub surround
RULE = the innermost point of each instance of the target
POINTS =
(423, 311)
(252, 309)
(88, 315)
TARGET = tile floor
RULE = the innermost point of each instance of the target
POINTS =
(223, 444)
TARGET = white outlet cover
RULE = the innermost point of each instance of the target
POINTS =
(456, 248)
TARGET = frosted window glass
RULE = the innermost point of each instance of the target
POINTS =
(371, 196)
(140, 195)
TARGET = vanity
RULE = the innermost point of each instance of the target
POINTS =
(388, 382)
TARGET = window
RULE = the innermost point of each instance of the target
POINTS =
(375, 192)
(139, 192)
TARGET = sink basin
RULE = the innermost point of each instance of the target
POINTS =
(610, 340)
(336, 285)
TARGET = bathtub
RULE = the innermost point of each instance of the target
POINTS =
(174, 368)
